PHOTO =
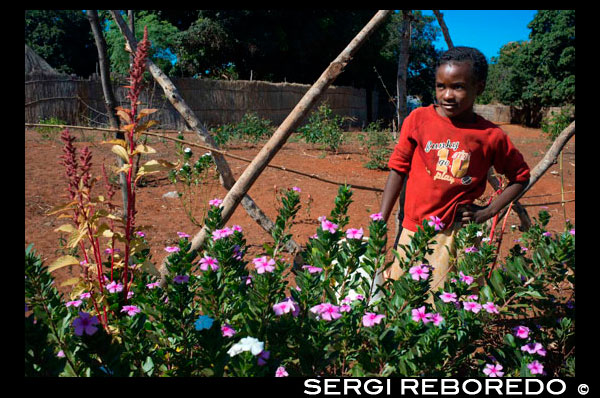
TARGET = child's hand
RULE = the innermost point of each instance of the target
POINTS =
(472, 213)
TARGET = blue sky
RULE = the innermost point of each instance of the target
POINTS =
(486, 30)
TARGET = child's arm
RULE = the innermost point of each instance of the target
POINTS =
(478, 214)
(390, 193)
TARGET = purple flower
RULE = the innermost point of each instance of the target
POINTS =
(419, 272)
(287, 305)
(472, 306)
(493, 370)
(465, 278)
(227, 331)
(418, 315)
(327, 225)
(131, 310)
(521, 332)
(280, 372)
(263, 265)
(471, 249)
(534, 348)
(436, 222)
(547, 234)
(327, 311)
(370, 319)
(140, 234)
(215, 202)
(182, 235)
(376, 217)
(208, 261)
(181, 279)
(354, 233)
(85, 323)
(448, 297)
(172, 249)
(535, 367)
(74, 303)
(263, 357)
(153, 285)
(114, 287)
(490, 307)
(312, 269)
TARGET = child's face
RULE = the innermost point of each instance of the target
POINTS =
(456, 90)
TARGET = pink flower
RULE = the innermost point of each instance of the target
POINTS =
(181, 279)
(153, 285)
(327, 311)
(419, 314)
(131, 310)
(172, 249)
(236, 228)
(327, 225)
(286, 306)
(436, 222)
(466, 278)
(85, 323)
(354, 233)
(535, 367)
(74, 303)
(352, 297)
(534, 348)
(376, 217)
(296, 189)
(280, 372)
(221, 233)
(370, 319)
(521, 332)
(547, 234)
(312, 269)
(493, 370)
(215, 202)
(572, 231)
(263, 265)
(419, 272)
(490, 307)
(248, 279)
(208, 261)
(472, 306)
(111, 251)
(471, 249)
(345, 308)
(85, 295)
(437, 319)
(140, 234)
(182, 235)
(227, 331)
(114, 287)
(61, 354)
(448, 297)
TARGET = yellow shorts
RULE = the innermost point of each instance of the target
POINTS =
(443, 250)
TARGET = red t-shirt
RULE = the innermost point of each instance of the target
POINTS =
(447, 163)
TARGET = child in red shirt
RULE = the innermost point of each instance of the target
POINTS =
(444, 153)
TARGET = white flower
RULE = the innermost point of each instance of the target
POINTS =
(187, 150)
(247, 344)
(479, 233)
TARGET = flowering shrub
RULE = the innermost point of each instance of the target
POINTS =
(221, 313)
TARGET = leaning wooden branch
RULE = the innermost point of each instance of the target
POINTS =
(440, 18)
(547, 161)
(270, 149)
(227, 179)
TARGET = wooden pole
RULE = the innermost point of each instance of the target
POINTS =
(440, 18)
(226, 176)
(270, 149)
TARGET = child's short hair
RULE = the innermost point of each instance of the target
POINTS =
(467, 54)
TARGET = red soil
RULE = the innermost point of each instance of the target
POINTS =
(45, 188)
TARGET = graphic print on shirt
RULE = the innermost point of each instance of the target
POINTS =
(445, 169)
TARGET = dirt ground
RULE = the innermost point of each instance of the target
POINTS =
(45, 188)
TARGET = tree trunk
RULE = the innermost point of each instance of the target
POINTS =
(109, 96)
(226, 176)
(403, 56)
(440, 18)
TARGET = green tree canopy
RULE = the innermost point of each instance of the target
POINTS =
(63, 38)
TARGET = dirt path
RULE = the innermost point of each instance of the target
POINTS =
(45, 188)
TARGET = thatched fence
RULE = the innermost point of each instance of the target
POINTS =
(215, 102)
